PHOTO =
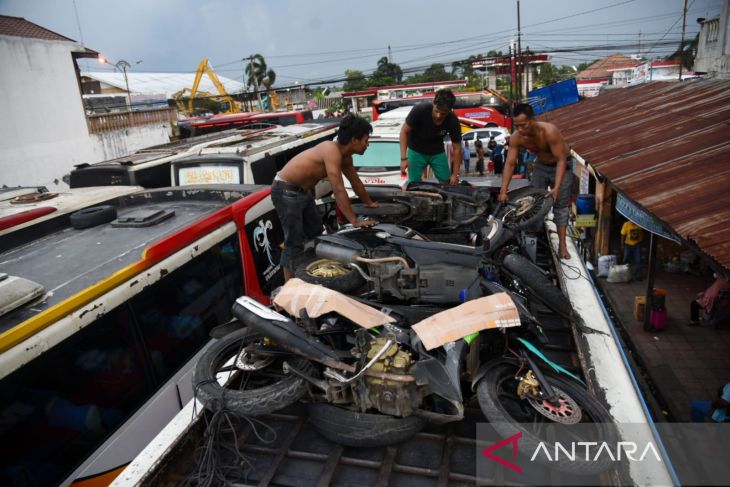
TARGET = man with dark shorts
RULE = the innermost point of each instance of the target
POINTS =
(553, 166)
(291, 190)
(422, 139)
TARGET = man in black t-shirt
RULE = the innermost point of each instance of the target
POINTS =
(422, 139)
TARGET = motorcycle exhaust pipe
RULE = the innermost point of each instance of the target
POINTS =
(283, 331)
(325, 250)
(349, 256)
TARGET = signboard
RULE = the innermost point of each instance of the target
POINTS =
(209, 175)
(642, 218)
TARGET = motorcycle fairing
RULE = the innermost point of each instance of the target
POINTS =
(441, 376)
(495, 311)
(319, 300)
(542, 357)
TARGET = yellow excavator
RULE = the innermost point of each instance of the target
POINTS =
(204, 67)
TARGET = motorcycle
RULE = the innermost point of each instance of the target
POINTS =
(451, 213)
(394, 263)
(373, 379)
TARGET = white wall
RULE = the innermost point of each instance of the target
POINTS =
(713, 56)
(43, 131)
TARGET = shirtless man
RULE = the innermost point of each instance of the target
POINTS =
(553, 166)
(291, 188)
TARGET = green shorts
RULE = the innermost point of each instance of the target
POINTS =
(417, 162)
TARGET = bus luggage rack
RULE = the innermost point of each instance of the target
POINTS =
(441, 455)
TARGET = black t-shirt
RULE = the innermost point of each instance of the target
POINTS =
(425, 136)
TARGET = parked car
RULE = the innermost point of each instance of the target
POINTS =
(498, 133)
(381, 162)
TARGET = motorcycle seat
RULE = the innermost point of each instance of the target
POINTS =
(430, 252)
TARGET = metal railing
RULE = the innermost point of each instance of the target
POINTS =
(108, 122)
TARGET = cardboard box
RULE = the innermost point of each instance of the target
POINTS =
(639, 307)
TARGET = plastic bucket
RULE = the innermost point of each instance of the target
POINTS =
(585, 204)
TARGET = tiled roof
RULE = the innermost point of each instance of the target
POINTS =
(19, 27)
(665, 145)
(601, 68)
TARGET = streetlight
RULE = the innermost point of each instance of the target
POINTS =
(123, 66)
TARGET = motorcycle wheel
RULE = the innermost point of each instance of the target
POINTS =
(537, 284)
(330, 274)
(352, 428)
(255, 385)
(506, 412)
(385, 209)
(532, 204)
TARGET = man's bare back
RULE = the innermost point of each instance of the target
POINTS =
(307, 168)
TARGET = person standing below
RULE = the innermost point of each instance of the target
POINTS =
(497, 156)
(467, 157)
(422, 139)
(631, 237)
(553, 166)
(479, 147)
(291, 190)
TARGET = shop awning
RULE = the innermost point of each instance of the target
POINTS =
(666, 147)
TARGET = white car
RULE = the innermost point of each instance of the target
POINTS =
(498, 133)
(381, 162)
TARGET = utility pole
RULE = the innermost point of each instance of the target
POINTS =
(519, 55)
(681, 43)
(390, 55)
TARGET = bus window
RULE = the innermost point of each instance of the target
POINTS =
(57, 410)
(175, 319)
(60, 407)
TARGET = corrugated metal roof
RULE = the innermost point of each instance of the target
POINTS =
(167, 83)
(666, 146)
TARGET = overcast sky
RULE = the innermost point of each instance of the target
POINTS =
(317, 40)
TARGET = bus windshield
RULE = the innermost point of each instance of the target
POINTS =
(379, 154)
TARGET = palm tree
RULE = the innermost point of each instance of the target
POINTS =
(259, 74)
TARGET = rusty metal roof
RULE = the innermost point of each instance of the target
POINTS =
(666, 146)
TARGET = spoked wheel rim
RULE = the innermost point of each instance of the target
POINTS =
(326, 268)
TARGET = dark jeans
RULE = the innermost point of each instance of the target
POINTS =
(299, 220)
(543, 175)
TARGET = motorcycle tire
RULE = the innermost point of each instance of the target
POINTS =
(385, 209)
(537, 284)
(352, 428)
(330, 274)
(253, 393)
(532, 206)
(506, 412)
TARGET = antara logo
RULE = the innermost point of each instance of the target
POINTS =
(580, 450)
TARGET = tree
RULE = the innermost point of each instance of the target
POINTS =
(355, 81)
(259, 74)
(386, 73)
(435, 72)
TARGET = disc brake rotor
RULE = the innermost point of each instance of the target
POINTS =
(566, 411)
(327, 268)
(249, 362)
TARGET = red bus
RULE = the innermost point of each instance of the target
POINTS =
(483, 107)
(217, 123)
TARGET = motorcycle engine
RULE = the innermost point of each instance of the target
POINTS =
(393, 397)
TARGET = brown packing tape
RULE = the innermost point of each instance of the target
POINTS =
(495, 311)
(318, 300)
